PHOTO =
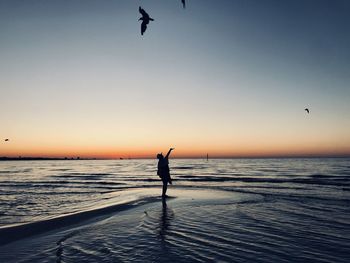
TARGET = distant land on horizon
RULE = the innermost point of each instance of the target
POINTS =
(4, 158)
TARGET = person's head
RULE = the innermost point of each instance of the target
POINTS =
(160, 156)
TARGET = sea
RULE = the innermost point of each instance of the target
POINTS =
(218, 210)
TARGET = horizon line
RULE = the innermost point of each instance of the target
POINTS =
(4, 158)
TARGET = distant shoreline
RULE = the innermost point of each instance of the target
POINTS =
(45, 159)
(195, 158)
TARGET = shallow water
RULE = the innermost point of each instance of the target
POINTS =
(290, 210)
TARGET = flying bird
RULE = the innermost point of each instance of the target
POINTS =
(145, 20)
(6, 140)
(307, 110)
(183, 3)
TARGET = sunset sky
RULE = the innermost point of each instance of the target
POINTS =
(228, 77)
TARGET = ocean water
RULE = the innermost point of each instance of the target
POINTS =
(221, 210)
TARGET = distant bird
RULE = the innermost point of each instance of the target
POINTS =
(145, 20)
(307, 110)
(6, 140)
(183, 3)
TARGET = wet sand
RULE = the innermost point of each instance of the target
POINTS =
(191, 225)
(144, 227)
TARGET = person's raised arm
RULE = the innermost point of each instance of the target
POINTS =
(167, 155)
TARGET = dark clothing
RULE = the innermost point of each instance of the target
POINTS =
(163, 170)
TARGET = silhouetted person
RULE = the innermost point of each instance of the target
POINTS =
(164, 171)
(145, 20)
(307, 110)
(183, 3)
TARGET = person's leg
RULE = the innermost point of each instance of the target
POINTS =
(165, 186)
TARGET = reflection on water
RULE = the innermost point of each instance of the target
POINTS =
(164, 232)
(165, 219)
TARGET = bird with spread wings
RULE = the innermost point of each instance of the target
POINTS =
(145, 20)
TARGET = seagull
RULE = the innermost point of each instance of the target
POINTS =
(183, 3)
(307, 110)
(145, 20)
(6, 140)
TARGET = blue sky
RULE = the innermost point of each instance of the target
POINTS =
(228, 77)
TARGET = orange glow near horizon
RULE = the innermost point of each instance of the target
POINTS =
(184, 151)
(141, 141)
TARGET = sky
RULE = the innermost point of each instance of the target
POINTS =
(230, 78)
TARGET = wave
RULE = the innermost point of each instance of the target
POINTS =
(61, 169)
(316, 179)
(86, 174)
(27, 170)
(183, 168)
(53, 184)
